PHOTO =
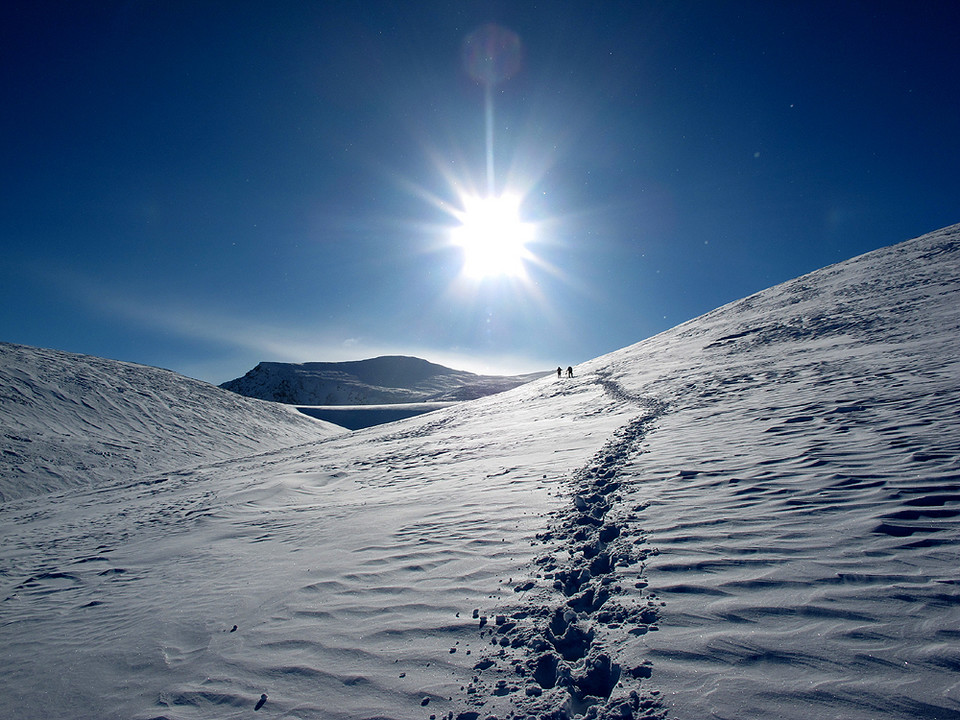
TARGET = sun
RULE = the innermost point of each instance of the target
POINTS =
(492, 237)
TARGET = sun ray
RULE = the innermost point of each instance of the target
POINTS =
(492, 237)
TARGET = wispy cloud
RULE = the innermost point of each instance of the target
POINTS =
(246, 337)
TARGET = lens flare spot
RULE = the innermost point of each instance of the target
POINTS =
(492, 54)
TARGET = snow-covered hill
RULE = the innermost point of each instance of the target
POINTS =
(74, 420)
(753, 515)
(382, 380)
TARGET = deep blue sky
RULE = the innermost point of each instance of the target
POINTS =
(204, 185)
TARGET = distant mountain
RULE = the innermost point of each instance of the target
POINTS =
(382, 380)
(74, 420)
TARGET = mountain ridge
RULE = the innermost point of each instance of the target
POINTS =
(386, 379)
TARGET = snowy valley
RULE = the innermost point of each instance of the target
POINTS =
(363, 393)
(755, 514)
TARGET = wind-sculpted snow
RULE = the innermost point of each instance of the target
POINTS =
(74, 420)
(753, 515)
(338, 579)
(803, 494)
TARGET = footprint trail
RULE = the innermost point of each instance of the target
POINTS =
(551, 652)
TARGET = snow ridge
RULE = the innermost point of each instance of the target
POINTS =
(73, 420)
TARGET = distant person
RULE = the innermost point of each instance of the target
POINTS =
(559, 373)
(570, 371)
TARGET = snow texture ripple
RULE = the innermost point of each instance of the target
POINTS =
(550, 646)
(753, 515)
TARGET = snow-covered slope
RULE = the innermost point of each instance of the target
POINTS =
(388, 379)
(803, 492)
(753, 515)
(74, 420)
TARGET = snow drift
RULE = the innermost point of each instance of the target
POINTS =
(752, 515)
(72, 420)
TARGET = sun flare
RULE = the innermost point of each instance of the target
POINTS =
(492, 237)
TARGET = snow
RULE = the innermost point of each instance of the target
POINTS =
(752, 515)
(75, 420)
(390, 379)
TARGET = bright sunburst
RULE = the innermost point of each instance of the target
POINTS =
(492, 237)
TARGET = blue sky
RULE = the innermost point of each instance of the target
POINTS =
(204, 185)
